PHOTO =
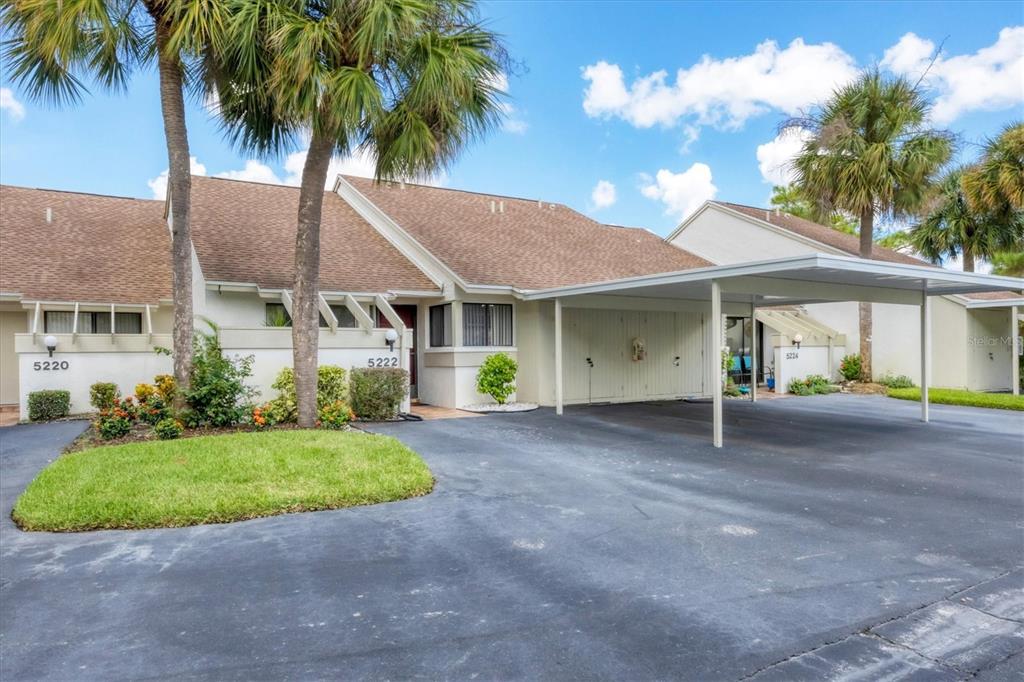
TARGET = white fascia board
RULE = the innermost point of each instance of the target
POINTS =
(429, 264)
(10, 297)
(782, 265)
(998, 303)
(689, 219)
(101, 306)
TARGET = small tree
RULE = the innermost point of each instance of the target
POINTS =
(497, 377)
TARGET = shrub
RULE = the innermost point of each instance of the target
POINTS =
(334, 415)
(731, 389)
(143, 392)
(850, 367)
(261, 417)
(166, 386)
(154, 409)
(103, 395)
(45, 405)
(812, 385)
(111, 426)
(331, 387)
(900, 381)
(218, 392)
(377, 393)
(497, 377)
(168, 429)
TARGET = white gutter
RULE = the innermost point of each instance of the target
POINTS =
(780, 265)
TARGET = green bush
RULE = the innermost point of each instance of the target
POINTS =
(45, 405)
(334, 415)
(218, 394)
(377, 393)
(814, 384)
(168, 429)
(952, 396)
(331, 387)
(103, 394)
(112, 426)
(901, 381)
(497, 377)
(850, 367)
(154, 409)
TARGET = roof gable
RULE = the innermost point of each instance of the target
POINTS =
(245, 232)
(504, 241)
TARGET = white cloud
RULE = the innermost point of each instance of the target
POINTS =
(254, 171)
(158, 185)
(10, 104)
(603, 195)
(990, 79)
(511, 120)
(682, 193)
(721, 92)
(774, 158)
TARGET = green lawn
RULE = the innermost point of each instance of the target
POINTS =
(217, 479)
(951, 396)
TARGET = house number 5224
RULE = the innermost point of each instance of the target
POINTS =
(50, 365)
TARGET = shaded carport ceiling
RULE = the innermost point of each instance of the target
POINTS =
(802, 279)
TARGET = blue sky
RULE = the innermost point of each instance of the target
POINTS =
(590, 111)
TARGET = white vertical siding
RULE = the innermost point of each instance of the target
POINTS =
(606, 337)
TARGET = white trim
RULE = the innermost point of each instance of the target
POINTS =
(926, 352)
(325, 310)
(113, 323)
(149, 323)
(286, 301)
(997, 303)
(74, 324)
(971, 281)
(35, 321)
(389, 314)
(362, 317)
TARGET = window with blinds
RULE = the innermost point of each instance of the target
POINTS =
(486, 324)
(441, 325)
(91, 322)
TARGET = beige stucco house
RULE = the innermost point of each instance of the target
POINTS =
(592, 312)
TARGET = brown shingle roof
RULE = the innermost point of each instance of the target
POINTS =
(529, 246)
(846, 243)
(245, 232)
(97, 249)
(994, 295)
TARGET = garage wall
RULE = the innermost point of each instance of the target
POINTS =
(672, 366)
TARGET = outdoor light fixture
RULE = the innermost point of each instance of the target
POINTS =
(797, 340)
(51, 343)
(390, 336)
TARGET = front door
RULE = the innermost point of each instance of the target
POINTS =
(408, 315)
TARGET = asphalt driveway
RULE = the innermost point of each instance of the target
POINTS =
(833, 536)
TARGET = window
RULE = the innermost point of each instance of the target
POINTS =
(487, 324)
(345, 317)
(441, 325)
(277, 316)
(91, 322)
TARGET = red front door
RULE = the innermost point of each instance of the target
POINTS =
(408, 315)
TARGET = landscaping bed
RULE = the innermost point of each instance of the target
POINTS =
(219, 479)
(950, 396)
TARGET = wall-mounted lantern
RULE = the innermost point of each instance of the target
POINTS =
(797, 340)
(390, 336)
(50, 341)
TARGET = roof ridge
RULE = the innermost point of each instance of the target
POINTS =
(78, 193)
(463, 191)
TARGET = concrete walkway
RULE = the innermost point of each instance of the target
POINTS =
(833, 537)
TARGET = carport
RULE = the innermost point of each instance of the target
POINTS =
(800, 280)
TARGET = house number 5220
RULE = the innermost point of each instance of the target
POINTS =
(50, 365)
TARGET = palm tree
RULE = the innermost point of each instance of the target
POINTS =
(996, 182)
(53, 46)
(951, 227)
(791, 200)
(872, 155)
(411, 81)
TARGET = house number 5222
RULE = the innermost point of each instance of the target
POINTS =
(50, 365)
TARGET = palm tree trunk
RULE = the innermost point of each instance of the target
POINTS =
(306, 289)
(867, 232)
(968, 255)
(179, 189)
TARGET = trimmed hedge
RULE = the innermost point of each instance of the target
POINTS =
(952, 396)
(377, 393)
(103, 395)
(46, 405)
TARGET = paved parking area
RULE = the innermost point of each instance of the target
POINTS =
(833, 537)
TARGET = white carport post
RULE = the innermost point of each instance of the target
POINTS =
(753, 352)
(1014, 346)
(558, 356)
(926, 352)
(716, 360)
